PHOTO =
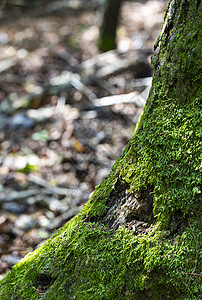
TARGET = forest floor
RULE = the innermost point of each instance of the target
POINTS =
(58, 137)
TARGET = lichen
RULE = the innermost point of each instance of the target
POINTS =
(87, 258)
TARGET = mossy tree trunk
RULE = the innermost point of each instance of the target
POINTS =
(138, 236)
(108, 28)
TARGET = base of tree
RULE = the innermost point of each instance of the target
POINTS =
(86, 260)
(138, 236)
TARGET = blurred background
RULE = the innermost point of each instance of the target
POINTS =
(69, 102)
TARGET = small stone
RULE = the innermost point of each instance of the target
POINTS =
(101, 175)
(15, 208)
(10, 259)
(21, 121)
(25, 222)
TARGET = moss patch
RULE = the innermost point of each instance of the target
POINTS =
(123, 270)
(160, 168)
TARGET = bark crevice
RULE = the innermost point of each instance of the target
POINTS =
(134, 211)
(43, 283)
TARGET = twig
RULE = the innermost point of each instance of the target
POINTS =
(59, 221)
(68, 78)
(192, 274)
(17, 195)
(134, 97)
(114, 62)
(67, 57)
(195, 239)
(105, 85)
(142, 82)
(3, 252)
(50, 188)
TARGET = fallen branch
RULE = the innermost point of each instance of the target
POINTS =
(60, 220)
(68, 78)
(8, 251)
(50, 189)
(114, 62)
(134, 97)
(16, 196)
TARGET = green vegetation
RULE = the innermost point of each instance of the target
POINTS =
(86, 261)
(89, 258)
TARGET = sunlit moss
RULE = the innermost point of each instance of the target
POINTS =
(85, 259)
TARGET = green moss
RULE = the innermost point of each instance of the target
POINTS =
(165, 151)
(123, 270)
(86, 260)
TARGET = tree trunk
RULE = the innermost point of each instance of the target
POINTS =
(138, 236)
(107, 38)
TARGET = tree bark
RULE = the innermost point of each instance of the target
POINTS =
(138, 236)
(108, 28)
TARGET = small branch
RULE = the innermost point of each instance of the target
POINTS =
(105, 85)
(191, 274)
(17, 195)
(195, 239)
(50, 188)
(8, 251)
(133, 97)
(67, 79)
